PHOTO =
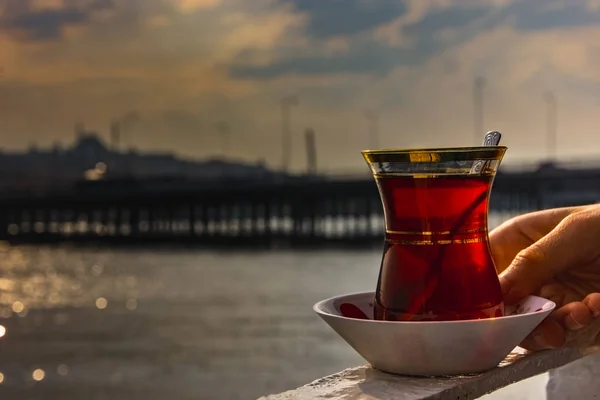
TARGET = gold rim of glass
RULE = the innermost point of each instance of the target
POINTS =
(435, 155)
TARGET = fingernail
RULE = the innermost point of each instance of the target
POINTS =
(540, 341)
(573, 324)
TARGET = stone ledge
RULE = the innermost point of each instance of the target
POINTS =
(366, 383)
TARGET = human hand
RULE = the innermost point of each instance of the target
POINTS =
(556, 255)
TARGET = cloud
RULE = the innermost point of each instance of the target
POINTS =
(346, 17)
(555, 15)
(409, 35)
(370, 58)
(367, 52)
(187, 64)
(44, 25)
(446, 18)
(32, 20)
(195, 5)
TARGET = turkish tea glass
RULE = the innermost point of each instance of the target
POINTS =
(437, 264)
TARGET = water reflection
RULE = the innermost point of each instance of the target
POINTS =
(56, 277)
(97, 269)
(170, 323)
(97, 324)
(18, 307)
(101, 303)
(131, 304)
(38, 375)
(62, 370)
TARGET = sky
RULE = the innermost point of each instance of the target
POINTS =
(184, 66)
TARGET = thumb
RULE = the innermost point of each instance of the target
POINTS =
(560, 249)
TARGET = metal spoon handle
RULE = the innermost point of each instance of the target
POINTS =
(492, 138)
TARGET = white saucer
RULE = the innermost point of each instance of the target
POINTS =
(431, 348)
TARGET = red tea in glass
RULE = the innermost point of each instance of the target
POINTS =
(436, 264)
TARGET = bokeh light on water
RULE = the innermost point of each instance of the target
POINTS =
(101, 303)
(170, 323)
(62, 369)
(134, 323)
(38, 375)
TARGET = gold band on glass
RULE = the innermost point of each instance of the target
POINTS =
(440, 155)
(432, 242)
(441, 233)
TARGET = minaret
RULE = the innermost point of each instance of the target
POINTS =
(79, 129)
(115, 135)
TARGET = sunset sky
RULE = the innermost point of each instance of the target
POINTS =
(184, 65)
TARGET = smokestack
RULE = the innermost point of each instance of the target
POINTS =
(311, 151)
(79, 130)
(115, 135)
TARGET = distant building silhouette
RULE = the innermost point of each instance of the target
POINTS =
(56, 165)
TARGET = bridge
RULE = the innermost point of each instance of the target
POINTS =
(294, 211)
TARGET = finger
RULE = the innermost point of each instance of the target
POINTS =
(544, 259)
(592, 301)
(518, 233)
(555, 292)
(573, 316)
(506, 241)
(559, 293)
(549, 334)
